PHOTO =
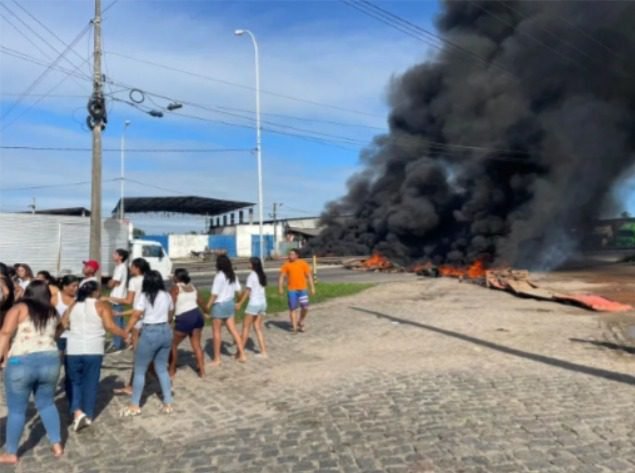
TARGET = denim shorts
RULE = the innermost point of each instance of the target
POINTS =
(298, 300)
(223, 310)
(189, 321)
(256, 309)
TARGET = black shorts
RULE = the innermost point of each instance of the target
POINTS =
(189, 321)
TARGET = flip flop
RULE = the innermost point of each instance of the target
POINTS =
(127, 412)
(122, 392)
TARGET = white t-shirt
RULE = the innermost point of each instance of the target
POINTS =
(257, 295)
(85, 280)
(157, 313)
(120, 274)
(135, 285)
(223, 289)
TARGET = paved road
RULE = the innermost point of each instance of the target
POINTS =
(409, 377)
(326, 274)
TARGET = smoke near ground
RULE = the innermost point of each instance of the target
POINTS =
(509, 153)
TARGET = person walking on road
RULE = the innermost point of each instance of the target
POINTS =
(118, 290)
(222, 303)
(33, 366)
(66, 295)
(188, 319)
(299, 278)
(257, 306)
(155, 341)
(87, 320)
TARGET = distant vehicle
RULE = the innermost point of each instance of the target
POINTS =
(625, 236)
(59, 244)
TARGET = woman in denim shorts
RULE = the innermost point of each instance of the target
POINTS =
(257, 306)
(222, 305)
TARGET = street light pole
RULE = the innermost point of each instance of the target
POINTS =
(122, 178)
(258, 140)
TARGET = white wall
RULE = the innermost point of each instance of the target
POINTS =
(244, 233)
(181, 245)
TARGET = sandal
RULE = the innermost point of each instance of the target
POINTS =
(129, 412)
(125, 391)
(167, 409)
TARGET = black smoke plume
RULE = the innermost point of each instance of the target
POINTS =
(508, 152)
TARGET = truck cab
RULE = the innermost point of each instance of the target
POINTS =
(154, 253)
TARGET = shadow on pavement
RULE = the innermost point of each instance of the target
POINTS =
(607, 345)
(558, 363)
(279, 324)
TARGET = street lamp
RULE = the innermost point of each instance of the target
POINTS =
(123, 157)
(258, 144)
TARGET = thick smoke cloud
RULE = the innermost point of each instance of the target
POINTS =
(509, 157)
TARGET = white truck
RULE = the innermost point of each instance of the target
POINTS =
(59, 244)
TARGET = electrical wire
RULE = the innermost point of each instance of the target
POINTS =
(242, 86)
(52, 186)
(129, 150)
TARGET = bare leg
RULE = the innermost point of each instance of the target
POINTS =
(231, 326)
(294, 320)
(216, 326)
(195, 340)
(303, 313)
(176, 341)
(247, 321)
(260, 336)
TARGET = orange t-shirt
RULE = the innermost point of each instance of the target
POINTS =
(297, 273)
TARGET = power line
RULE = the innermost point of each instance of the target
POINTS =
(44, 73)
(241, 86)
(129, 150)
(51, 186)
(418, 32)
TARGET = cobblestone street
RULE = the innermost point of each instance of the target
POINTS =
(418, 376)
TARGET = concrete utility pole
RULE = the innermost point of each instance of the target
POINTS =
(97, 121)
(274, 216)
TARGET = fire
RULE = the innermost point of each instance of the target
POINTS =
(475, 271)
(377, 261)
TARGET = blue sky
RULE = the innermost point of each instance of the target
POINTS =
(320, 51)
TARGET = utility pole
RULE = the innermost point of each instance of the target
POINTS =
(274, 216)
(97, 122)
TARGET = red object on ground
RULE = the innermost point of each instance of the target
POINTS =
(597, 303)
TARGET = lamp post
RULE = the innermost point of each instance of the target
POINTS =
(123, 158)
(258, 144)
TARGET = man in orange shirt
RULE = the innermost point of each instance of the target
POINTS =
(297, 272)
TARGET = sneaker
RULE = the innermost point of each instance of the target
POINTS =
(80, 422)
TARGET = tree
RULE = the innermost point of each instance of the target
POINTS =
(137, 233)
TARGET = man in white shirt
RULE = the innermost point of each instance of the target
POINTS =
(91, 268)
(118, 285)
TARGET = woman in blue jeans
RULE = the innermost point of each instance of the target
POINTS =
(156, 307)
(33, 366)
(87, 319)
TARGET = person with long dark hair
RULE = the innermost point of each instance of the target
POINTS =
(222, 304)
(51, 281)
(87, 319)
(188, 319)
(155, 342)
(138, 267)
(66, 295)
(7, 298)
(257, 306)
(24, 274)
(33, 366)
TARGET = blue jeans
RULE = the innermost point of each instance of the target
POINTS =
(84, 371)
(154, 345)
(117, 310)
(35, 373)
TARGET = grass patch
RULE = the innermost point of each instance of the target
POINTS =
(276, 303)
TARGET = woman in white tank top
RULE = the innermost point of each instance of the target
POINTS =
(189, 320)
(88, 319)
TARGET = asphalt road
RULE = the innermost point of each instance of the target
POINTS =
(327, 274)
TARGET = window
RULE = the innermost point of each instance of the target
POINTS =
(152, 251)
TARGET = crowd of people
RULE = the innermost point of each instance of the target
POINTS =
(48, 323)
